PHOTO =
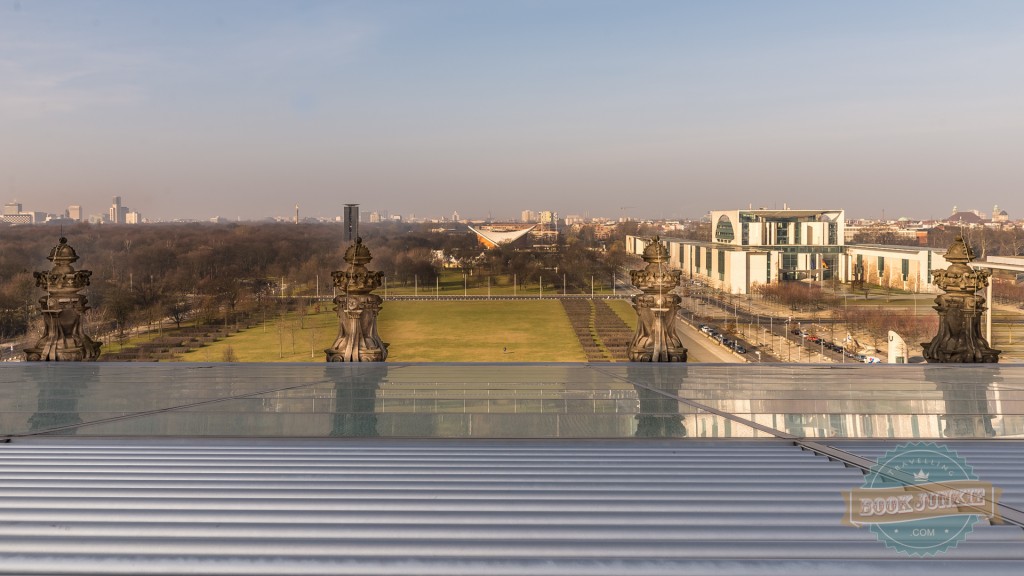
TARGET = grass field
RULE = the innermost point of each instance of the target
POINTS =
(419, 331)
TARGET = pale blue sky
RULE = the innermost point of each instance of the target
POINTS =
(244, 108)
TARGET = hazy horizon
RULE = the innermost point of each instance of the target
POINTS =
(647, 109)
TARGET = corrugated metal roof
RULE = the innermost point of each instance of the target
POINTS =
(1001, 463)
(379, 506)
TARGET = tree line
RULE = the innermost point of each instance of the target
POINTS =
(205, 271)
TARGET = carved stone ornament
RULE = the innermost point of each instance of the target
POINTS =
(656, 339)
(960, 309)
(62, 308)
(357, 310)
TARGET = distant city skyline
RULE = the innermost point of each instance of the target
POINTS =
(243, 109)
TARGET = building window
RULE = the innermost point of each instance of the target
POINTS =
(833, 233)
(829, 265)
(782, 233)
(724, 231)
(881, 265)
(696, 258)
(745, 231)
(906, 269)
(796, 234)
(721, 265)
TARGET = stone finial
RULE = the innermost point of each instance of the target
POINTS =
(357, 310)
(62, 308)
(656, 276)
(655, 339)
(356, 279)
(960, 309)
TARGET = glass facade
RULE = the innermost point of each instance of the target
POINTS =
(617, 400)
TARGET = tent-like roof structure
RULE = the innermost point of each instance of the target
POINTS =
(493, 238)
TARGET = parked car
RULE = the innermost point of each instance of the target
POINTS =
(740, 349)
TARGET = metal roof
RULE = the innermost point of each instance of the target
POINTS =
(76, 506)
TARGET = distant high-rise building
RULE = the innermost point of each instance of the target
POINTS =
(351, 231)
(12, 209)
(296, 213)
(117, 212)
(133, 218)
(74, 212)
(374, 217)
(528, 216)
(114, 213)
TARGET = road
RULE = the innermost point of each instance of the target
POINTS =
(700, 348)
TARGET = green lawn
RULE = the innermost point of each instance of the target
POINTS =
(419, 331)
(479, 331)
(288, 339)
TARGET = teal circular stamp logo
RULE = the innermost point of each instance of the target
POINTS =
(920, 499)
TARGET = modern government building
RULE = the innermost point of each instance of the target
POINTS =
(751, 247)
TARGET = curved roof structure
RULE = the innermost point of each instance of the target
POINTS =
(492, 238)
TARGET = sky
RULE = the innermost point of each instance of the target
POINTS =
(639, 108)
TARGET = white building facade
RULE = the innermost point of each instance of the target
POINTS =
(752, 247)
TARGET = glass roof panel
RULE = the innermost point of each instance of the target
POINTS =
(615, 400)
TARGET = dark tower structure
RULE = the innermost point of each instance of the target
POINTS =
(351, 223)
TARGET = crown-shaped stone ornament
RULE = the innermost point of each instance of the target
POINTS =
(356, 279)
(62, 278)
(656, 277)
(959, 277)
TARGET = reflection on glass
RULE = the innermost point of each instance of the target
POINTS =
(659, 415)
(57, 401)
(355, 399)
(614, 400)
(967, 412)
